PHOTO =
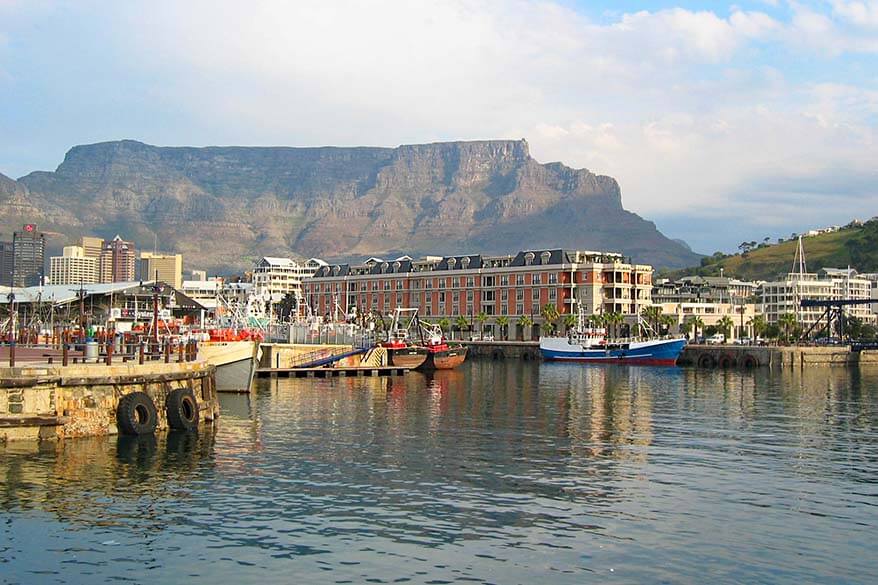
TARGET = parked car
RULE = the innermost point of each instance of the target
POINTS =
(743, 341)
(716, 339)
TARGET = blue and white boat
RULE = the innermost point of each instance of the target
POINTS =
(590, 344)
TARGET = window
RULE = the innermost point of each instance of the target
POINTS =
(455, 297)
(519, 309)
(455, 282)
(504, 280)
(553, 294)
(519, 294)
(528, 258)
(398, 285)
(537, 278)
(504, 294)
(442, 297)
(399, 299)
(487, 281)
(469, 309)
(428, 284)
(504, 309)
(386, 285)
(553, 278)
(441, 283)
(470, 281)
(535, 294)
(469, 295)
(519, 280)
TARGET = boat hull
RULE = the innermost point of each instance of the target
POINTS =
(444, 359)
(407, 357)
(658, 352)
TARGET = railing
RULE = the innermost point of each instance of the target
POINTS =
(106, 351)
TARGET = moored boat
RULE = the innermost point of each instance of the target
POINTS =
(401, 351)
(584, 344)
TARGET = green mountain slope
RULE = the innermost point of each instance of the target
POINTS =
(855, 246)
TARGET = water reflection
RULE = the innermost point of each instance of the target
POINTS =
(494, 473)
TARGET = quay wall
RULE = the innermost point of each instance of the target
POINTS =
(291, 355)
(732, 356)
(53, 402)
(501, 350)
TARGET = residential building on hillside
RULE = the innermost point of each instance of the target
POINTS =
(784, 296)
(28, 256)
(165, 267)
(274, 277)
(512, 286)
(73, 267)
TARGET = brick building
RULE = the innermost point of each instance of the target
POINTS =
(513, 286)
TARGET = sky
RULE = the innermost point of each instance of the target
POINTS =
(722, 122)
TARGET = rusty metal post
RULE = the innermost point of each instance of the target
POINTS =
(140, 353)
(64, 350)
(180, 352)
(167, 350)
(12, 353)
(109, 359)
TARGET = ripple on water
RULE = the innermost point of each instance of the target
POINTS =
(497, 473)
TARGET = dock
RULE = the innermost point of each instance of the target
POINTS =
(352, 371)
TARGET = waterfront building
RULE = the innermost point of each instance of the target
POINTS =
(73, 267)
(512, 286)
(117, 261)
(28, 256)
(711, 313)
(784, 296)
(696, 289)
(165, 267)
(6, 263)
(198, 274)
(273, 278)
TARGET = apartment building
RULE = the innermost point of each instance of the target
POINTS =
(513, 286)
(164, 267)
(274, 278)
(28, 256)
(73, 267)
(117, 261)
(784, 296)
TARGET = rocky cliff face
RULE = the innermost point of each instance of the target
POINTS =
(224, 207)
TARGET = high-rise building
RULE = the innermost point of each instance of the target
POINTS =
(276, 277)
(28, 249)
(6, 263)
(117, 261)
(165, 267)
(92, 246)
(73, 267)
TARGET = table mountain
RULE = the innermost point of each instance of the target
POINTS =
(223, 207)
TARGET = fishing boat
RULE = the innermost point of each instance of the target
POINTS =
(590, 344)
(440, 355)
(401, 351)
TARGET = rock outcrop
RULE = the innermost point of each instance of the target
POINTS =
(223, 207)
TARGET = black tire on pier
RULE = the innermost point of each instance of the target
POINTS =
(726, 361)
(706, 360)
(182, 410)
(136, 414)
(750, 361)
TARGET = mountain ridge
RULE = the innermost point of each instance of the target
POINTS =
(490, 196)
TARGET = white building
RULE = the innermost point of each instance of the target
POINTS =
(274, 278)
(73, 267)
(784, 296)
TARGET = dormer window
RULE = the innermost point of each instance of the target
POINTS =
(384, 266)
(464, 262)
(528, 258)
(336, 270)
(544, 257)
(451, 263)
(396, 266)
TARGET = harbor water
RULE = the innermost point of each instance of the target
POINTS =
(510, 472)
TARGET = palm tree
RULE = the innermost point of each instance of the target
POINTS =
(503, 323)
(550, 313)
(444, 324)
(653, 316)
(787, 322)
(686, 328)
(725, 325)
(569, 322)
(697, 323)
(668, 321)
(462, 324)
(757, 325)
(614, 319)
(524, 322)
(481, 318)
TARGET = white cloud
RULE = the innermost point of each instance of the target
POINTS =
(858, 13)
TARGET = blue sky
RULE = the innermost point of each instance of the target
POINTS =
(722, 121)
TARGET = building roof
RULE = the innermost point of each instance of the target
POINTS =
(276, 261)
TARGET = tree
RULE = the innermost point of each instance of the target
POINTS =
(614, 319)
(524, 322)
(461, 323)
(444, 324)
(757, 325)
(503, 323)
(724, 325)
(772, 331)
(550, 314)
(667, 321)
(787, 322)
(686, 328)
(569, 322)
(652, 315)
(481, 318)
(697, 323)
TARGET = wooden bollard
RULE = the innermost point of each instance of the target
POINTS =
(167, 350)
(12, 354)
(180, 352)
(140, 354)
(64, 353)
(109, 359)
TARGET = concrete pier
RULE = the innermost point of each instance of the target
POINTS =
(501, 350)
(749, 356)
(42, 401)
